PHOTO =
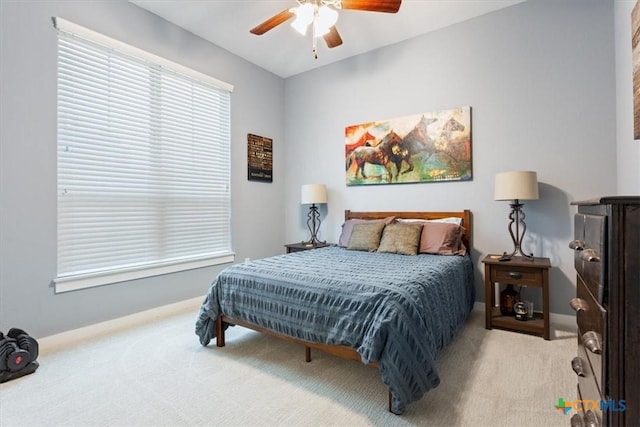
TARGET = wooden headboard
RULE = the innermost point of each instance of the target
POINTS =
(465, 215)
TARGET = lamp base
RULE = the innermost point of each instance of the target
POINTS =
(313, 243)
(313, 223)
(517, 221)
(507, 257)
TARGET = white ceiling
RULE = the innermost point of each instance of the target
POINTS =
(284, 52)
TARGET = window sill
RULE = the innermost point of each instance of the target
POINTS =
(74, 283)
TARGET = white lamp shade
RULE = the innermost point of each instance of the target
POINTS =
(517, 185)
(313, 193)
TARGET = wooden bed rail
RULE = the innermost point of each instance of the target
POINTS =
(336, 350)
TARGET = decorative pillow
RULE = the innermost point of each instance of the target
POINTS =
(442, 238)
(401, 238)
(451, 220)
(366, 236)
(347, 228)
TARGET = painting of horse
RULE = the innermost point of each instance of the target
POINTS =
(381, 155)
(452, 125)
(416, 141)
(426, 147)
(365, 139)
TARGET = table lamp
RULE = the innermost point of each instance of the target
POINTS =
(313, 194)
(516, 186)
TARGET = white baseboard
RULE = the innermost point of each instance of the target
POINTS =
(562, 322)
(62, 339)
(558, 321)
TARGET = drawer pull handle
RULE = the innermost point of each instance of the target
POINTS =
(589, 255)
(576, 245)
(578, 304)
(515, 275)
(578, 366)
(592, 342)
(591, 419)
(576, 420)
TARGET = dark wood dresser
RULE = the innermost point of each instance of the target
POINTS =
(607, 304)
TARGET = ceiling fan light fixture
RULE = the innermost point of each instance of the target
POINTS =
(304, 16)
(305, 13)
(322, 15)
(326, 18)
(300, 27)
(320, 31)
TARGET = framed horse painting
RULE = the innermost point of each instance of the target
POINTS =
(635, 58)
(427, 147)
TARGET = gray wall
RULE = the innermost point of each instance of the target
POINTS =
(28, 162)
(628, 167)
(539, 77)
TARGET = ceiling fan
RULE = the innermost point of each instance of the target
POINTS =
(321, 16)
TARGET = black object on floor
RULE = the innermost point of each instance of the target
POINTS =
(18, 354)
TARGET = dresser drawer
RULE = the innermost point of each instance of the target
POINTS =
(588, 385)
(589, 414)
(589, 251)
(517, 275)
(591, 318)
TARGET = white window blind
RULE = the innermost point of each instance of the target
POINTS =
(143, 164)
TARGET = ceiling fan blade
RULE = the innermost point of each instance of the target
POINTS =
(387, 6)
(332, 38)
(272, 22)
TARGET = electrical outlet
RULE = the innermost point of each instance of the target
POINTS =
(247, 259)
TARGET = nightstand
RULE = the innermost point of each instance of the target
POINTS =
(297, 247)
(518, 271)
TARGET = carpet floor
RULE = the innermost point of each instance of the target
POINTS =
(150, 370)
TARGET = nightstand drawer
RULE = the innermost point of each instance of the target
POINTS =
(517, 275)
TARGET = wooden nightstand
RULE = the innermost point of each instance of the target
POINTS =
(296, 247)
(519, 271)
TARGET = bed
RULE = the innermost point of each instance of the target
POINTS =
(390, 310)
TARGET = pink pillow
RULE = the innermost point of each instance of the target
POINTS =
(442, 238)
(347, 228)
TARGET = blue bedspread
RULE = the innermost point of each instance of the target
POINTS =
(396, 310)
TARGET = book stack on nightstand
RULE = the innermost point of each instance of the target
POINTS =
(518, 271)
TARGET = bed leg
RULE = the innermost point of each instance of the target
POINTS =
(307, 354)
(219, 332)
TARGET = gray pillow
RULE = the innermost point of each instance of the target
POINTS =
(401, 238)
(366, 236)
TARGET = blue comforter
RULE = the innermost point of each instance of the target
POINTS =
(396, 310)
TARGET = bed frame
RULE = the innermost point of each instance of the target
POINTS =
(340, 350)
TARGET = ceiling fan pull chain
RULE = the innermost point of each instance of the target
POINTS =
(313, 35)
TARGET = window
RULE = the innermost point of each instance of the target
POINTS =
(143, 163)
